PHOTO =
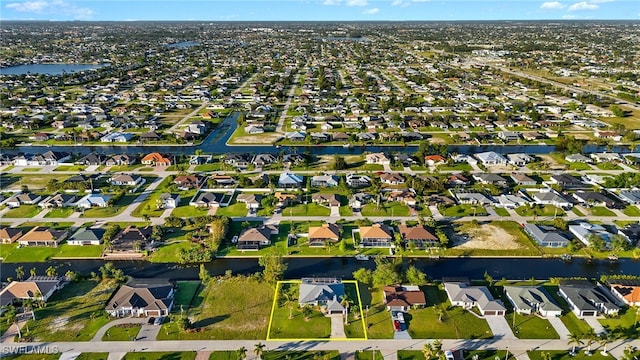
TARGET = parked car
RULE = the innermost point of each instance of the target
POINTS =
(396, 325)
(151, 320)
(158, 320)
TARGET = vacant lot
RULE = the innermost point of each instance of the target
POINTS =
(485, 236)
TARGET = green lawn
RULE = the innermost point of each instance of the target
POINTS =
(317, 326)
(208, 167)
(377, 318)
(28, 254)
(456, 323)
(546, 210)
(601, 211)
(67, 316)
(32, 357)
(531, 327)
(93, 356)
(576, 211)
(168, 252)
(186, 355)
(501, 211)
(456, 167)
(124, 168)
(464, 210)
(608, 166)
(631, 211)
(234, 308)
(122, 332)
(59, 213)
(75, 251)
(23, 211)
(346, 210)
(77, 168)
(311, 209)
(297, 355)
(623, 324)
(189, 211)
(186, 292)
(392, 209)
(355, 327)
(564, 355)
(569, 319)
(235, 210)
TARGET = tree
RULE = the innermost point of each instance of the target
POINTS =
(306, 312)
(440, 312)
(204, 275)
(560, 223)
(19, 273)
(364, 276)
(385, 273)
(574, 339)
(339, 163)
(596, 243)
(33, 272)
(414, 276)
(259, 349)
(604, 339)
(183, 323)
(146, 218)
(51, 271)
(346, 302)
(488, 278)
(274, 267)
(12, 318)
(591, 339)
(427, 351)
(241, 353)
(290, 300)
(617, 111)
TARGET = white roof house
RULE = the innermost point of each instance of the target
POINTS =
(491, 158)
(92, 200)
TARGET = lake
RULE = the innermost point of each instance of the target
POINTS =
(183, 44)
(49, 69)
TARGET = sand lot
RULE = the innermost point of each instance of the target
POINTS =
(485, 237)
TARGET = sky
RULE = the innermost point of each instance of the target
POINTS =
(317, 10)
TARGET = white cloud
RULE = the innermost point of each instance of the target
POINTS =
(332, 2)
(419, 1)
(371, 11)
(401, 3)
(583, 5)
(55, 7)
(552, 5)
(568, 17)
(357, 2)
(600, 1)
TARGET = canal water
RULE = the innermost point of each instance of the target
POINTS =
(48, 69)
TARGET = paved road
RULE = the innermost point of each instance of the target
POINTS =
(287, 104)
(385, 346)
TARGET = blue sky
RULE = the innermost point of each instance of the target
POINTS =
(317, 10)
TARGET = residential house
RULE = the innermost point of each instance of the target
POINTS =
(126, 180)
(132, 238)
(584, 230)
(457, 180)
(36, 288)
(404, 196)
(58, 200)
(206, 199)
(631, 232)
(156, 159)
(491, 158)
(284, 200)
(626, 290)
(292, 159)
(240, 161)
(509, 135)
(519, 159)
(121, 160)
(578, 158)
(630, 196)
(142, 297)
(509, 201)
(169, 201)
(321, 235)
(330, 200)
(42, 236)
(254, 238)
(53, 158)
(551, 198)
(403, 297)
(532, 300)
(9, 235)
(324, 292)
(296, 135)
(522, 179)
(467, 296)
(592, 198)
(419, 236)
(288, 181)
(200, 159)
(392, 178)
(490, 178)
(358, 200)
(473, 198)
(151, 136)
(377, 235)
(433, 160)
(87, 236)
(91, 200)
(377, 158)
(547, 236)
(606, 157)
(586, 299)
(324, 181)
(566, 181)
(357, 180)
(261, 160)
(222, 180)
(186, 182)
(252, 201)
(253, 129)
(91, 159)
(122, 137)
(23, 199)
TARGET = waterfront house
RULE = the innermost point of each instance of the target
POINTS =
(547, 236)
(35, 288)
(142, 297)
(578, 158)
(42, 236)
(256, 237)
(121, 160)
(91, 159)
(531, 300)
(491, 158)
(87, 236)
(403, 297)
(586, 299)
(419, 235)
(376, 235)
(377, 158)
(626, 290)
(584, 230)
(320, 235)
(467, 296)
(324, 292)
(9, 235)
(132, 238)
(519, 159)
(156, 159)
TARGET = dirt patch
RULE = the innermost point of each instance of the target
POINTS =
(257, 139)
(485, 237)
(58, 323)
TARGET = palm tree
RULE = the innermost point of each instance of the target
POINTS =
(33, 272)
(604, 340)
(591, 339)
(427, 351)
(19, 273)
(574, 339)
(440, 313)
(259, 349)
(12, 319)
(289, 300)
(306, 311)
(241, 353)
(51, 271)
(346, 302)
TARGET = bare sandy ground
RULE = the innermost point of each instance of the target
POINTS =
(485, 237)
(257, 139)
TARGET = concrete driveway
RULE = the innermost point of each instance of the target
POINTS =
(148, 332)
(337, 327)
(499, 327)
(558, 325)
(595, 324)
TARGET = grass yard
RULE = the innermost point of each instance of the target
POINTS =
(546, 210)
(59, 213)
(28, 254)
(168, 252)
(93, 356)
(578, 166)
(386, 209)
(608, 166)
(456, 323)
(464, 210)
(315, 326)
(23, 211)
(186, 355)
(355, 327)
(235, 210)
(623, 324)
(377, 318)
(76, 168)
(346, 210)
(75, 251)
(577, 211)
(32, 357)
(631, 211)
(185, 293)
(69, 312)
(501, 211)
(122, 332)
(564, 355)
(601, 211)
(189, 211)
(33, 181)
(531, 327)
(296, 355)
(569, 319)
(311, 209)
(208, 167)
(234, 308)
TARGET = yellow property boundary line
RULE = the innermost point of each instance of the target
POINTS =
(275, 303)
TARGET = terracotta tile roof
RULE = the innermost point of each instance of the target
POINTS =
(326, 231)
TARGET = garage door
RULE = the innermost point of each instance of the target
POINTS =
(153, 313)
(489, 312)
(588, 313)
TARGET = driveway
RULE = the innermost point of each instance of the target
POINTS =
(595, 324)
(129, 320)
(499, 327)
(337, 327)
(558, 325)
(148, 332)
(335, 211)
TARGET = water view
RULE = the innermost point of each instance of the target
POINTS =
(49, 69)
